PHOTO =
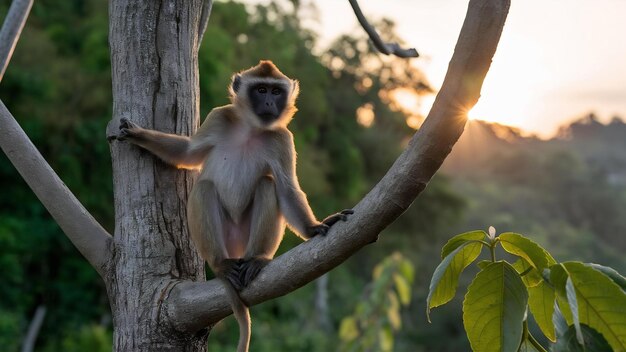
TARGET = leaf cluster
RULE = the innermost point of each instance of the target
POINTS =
(579, 306)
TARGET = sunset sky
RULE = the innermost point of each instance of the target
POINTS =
(557, 59)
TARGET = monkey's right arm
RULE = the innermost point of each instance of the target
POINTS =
(180, 151)
(292, 200)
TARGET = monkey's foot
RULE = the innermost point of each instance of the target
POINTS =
(230, 269)
(250, 268)
(342, 215)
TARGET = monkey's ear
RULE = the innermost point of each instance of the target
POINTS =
(295, 88)
(236, 84)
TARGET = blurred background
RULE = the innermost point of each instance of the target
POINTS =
(557, 175)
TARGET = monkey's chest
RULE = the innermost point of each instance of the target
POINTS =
(235, 172)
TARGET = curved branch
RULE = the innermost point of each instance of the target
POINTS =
(81, 228)
(192, 306)
(11, 30)
(385, 48)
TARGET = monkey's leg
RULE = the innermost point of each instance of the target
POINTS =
(266, 230)
(207, 223)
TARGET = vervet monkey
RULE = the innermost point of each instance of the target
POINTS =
(247, 185)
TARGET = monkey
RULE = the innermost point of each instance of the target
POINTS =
(247, 190)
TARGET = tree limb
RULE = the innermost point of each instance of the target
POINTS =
(385, 48)
(83, 230)
(33, 329)
(204, 19)
(11, 30)
(192, 306)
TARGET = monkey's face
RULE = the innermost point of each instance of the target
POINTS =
(268, 100)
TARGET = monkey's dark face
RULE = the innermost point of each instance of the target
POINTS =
(268, 101)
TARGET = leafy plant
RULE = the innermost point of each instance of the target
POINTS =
(579, 306)
(377, 317)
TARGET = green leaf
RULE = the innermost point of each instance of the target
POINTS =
(541, 299)
(594, 341)
(531, 276)
(527, 346)
(558, 279)
(385, 337)
(446, 277)
(483, 264)
(573, 305)
(601, 303)
(403, 288)
(494, 309)
(407, 270)
(523, 247)
(611, 273)
(393, 311)
(458, 240)
(348, 329)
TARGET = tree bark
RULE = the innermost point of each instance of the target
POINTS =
(154, 46)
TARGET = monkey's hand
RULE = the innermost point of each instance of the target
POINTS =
(128, 130)
(324, 226)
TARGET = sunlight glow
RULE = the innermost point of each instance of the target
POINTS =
(409, 103)
(508, 93)
(365, 115)
(404, 99)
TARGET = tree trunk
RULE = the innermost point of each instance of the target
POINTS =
(154, 61)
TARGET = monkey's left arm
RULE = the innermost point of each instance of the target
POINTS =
(292, 200)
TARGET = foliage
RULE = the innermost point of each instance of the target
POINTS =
(94, 338)
(591, 297)
(377, 316)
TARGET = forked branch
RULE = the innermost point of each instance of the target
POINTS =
(192, 306)
(81, 228)
(385, 48)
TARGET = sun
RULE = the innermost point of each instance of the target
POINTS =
(505, 99)
(509, 92)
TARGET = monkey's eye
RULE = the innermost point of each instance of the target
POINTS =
(276, 91)
(262, 90)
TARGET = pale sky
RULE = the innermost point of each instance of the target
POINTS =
(557, 59)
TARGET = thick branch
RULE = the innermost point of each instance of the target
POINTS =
(194, 305)
(81, 228)
(385, 48)
(11, 29)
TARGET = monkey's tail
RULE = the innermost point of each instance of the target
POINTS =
(242, 314)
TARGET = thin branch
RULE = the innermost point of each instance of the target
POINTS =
(204, 20)
(33, 329)
(192, 306)
(11, 30)
(82, 229)
(385, 48)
